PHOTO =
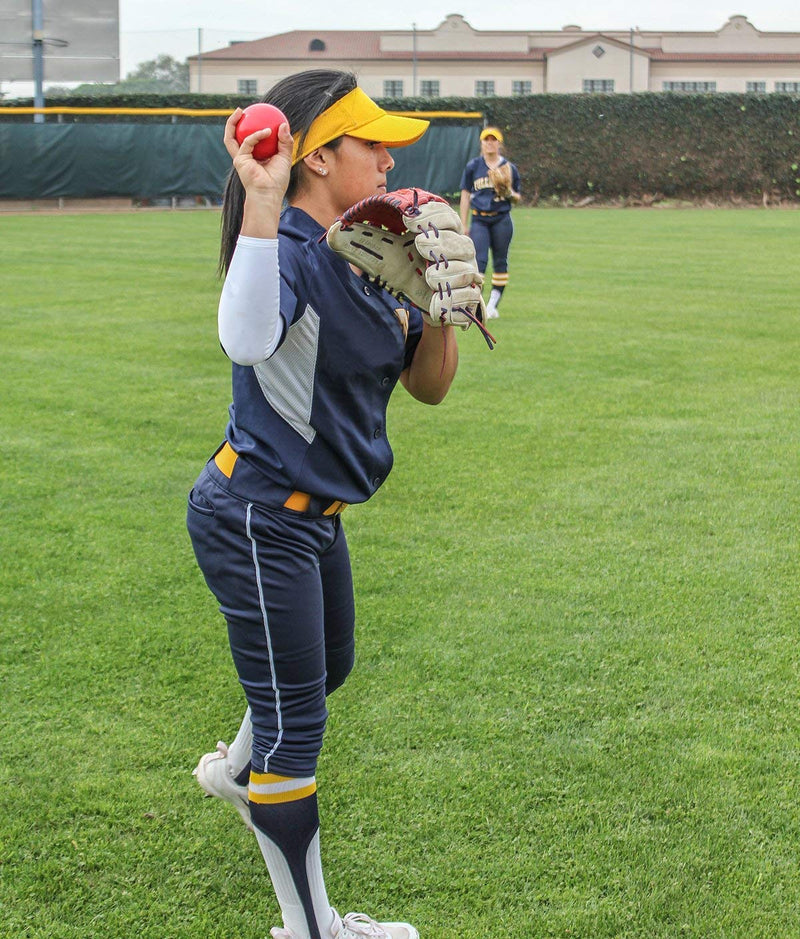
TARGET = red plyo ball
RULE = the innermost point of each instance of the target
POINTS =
(258, 117)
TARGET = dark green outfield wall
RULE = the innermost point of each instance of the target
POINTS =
(81, 160)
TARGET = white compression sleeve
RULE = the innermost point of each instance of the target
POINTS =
(249, 319)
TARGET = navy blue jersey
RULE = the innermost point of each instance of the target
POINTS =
(483, 198)
(312, 417)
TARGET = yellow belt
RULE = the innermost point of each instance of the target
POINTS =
(226, 458)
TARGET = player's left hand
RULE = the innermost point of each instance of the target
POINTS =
(410, 242)
(452, 271)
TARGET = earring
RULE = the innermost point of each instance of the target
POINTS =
(323, 172)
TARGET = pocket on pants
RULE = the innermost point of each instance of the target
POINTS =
(200, 504)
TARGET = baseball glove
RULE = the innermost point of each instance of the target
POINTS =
(500, 178)
(410, 242)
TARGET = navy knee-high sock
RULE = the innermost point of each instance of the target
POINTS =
(286, 820)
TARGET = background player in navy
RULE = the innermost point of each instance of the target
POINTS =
(486, 214)
(317, 351)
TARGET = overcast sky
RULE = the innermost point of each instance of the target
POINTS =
(147, 25)
(261, 17)
(268, 18)
(151, 27)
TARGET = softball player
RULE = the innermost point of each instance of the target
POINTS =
(486, 213)
(316, 351)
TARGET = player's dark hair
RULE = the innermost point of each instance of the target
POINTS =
(302, 98)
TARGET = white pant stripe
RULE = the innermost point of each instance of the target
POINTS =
(265, 620)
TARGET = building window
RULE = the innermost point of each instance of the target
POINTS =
(316, 45)
(429, 88)
(247, 86)
(598, 86)
(756, 88)
(392, 89)
(520, 88)
(484, 89)
(689, 87)
(788, 88)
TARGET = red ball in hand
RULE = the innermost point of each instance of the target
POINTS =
(258, 117)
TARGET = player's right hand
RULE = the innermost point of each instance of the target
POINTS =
(260, 178)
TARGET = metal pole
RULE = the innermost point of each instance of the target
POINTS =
(414, 61)
(631, 79)
(200, 59)
(37, 16)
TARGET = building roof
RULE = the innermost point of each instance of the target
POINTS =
(658, 55)
(339, 44)
(348, 44)
(468, 55)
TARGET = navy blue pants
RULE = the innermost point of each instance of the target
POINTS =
(284, 585)
(492, 231)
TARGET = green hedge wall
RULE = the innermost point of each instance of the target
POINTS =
(606, 146)
(680, 146)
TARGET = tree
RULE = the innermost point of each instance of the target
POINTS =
(162, 75)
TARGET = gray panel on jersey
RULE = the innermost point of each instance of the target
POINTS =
(287, 377)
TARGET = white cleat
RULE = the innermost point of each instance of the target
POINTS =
(358, 926)
(214, 775)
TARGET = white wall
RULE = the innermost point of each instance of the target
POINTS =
(567, 69)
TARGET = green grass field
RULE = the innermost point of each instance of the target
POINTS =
(575, 706)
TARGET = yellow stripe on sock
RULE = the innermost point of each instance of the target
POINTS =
(499, 280)
(268, 779)
(292, 795)
(271, 789)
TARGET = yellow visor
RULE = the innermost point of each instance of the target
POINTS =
(357, 115)
(491, 132)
